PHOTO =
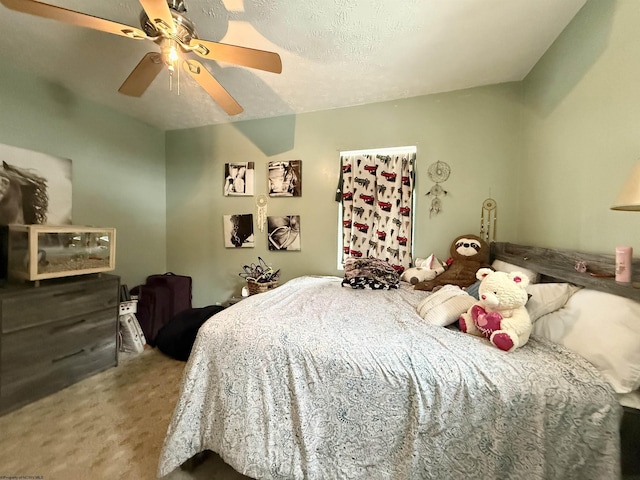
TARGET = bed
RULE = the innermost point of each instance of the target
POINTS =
(317, 381)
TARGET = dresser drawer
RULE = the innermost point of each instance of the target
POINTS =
(42, 379)
(34, 348)
(39, 305)
(54, 335)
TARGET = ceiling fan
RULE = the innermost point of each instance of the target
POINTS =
(163, 22)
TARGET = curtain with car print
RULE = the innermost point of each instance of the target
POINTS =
(377, 191)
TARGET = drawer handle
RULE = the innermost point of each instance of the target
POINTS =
(71, 292)
(69, 326)
(64, 357)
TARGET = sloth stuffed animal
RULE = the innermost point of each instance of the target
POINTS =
(469, 253)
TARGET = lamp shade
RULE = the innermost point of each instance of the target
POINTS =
(629, 196)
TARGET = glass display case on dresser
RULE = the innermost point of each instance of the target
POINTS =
(39, 252)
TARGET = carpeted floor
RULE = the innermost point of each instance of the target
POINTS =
(109, 426)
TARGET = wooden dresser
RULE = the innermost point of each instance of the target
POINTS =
(54, 335)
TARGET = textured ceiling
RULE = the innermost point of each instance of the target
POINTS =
(335, 53)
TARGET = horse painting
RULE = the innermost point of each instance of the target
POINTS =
(23, 196)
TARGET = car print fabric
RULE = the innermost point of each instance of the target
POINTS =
(377, 197)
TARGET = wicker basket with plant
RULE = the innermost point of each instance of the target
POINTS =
(260, 277)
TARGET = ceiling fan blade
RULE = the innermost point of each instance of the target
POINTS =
(159, 13)
(212, 87)
(247, 57)
(142, 76)
(45, 10)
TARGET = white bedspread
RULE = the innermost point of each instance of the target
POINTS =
(316, 381)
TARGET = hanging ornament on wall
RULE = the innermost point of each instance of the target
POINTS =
(488, 220)
(261, 206)
(438, 172)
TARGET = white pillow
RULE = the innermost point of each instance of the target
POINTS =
(604, 329)
(443, 307)
(548, 297)
(500, 266)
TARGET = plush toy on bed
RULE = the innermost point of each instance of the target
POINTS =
(424, 269)
(500, 314)
(469, 253)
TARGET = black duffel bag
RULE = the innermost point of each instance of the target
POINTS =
(175, 339)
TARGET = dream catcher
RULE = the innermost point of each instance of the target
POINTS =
(261, 206)
(438, 172)
(488, 220)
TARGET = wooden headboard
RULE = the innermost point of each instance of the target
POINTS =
(559, 265)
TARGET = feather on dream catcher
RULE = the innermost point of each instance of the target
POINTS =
(438, 172)
(261, 207)
(488, 220)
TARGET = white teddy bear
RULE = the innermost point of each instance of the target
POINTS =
(424, 269)
(500, 314)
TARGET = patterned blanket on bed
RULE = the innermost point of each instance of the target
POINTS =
(315, 381)
(372, 273)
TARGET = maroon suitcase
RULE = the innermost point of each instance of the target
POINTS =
(159, 299)
(153, 309)
(179, 290)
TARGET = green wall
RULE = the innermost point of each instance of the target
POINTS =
(552, 150)
(477, 132)
(118, 165)
(582, 132)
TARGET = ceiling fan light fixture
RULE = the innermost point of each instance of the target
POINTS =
(169, 52)
(170, 55)
(164, 24)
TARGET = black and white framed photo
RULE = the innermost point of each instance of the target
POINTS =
(239, 179)
(238, 231)
(35, 188)
(283, 232)
(285, 178)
